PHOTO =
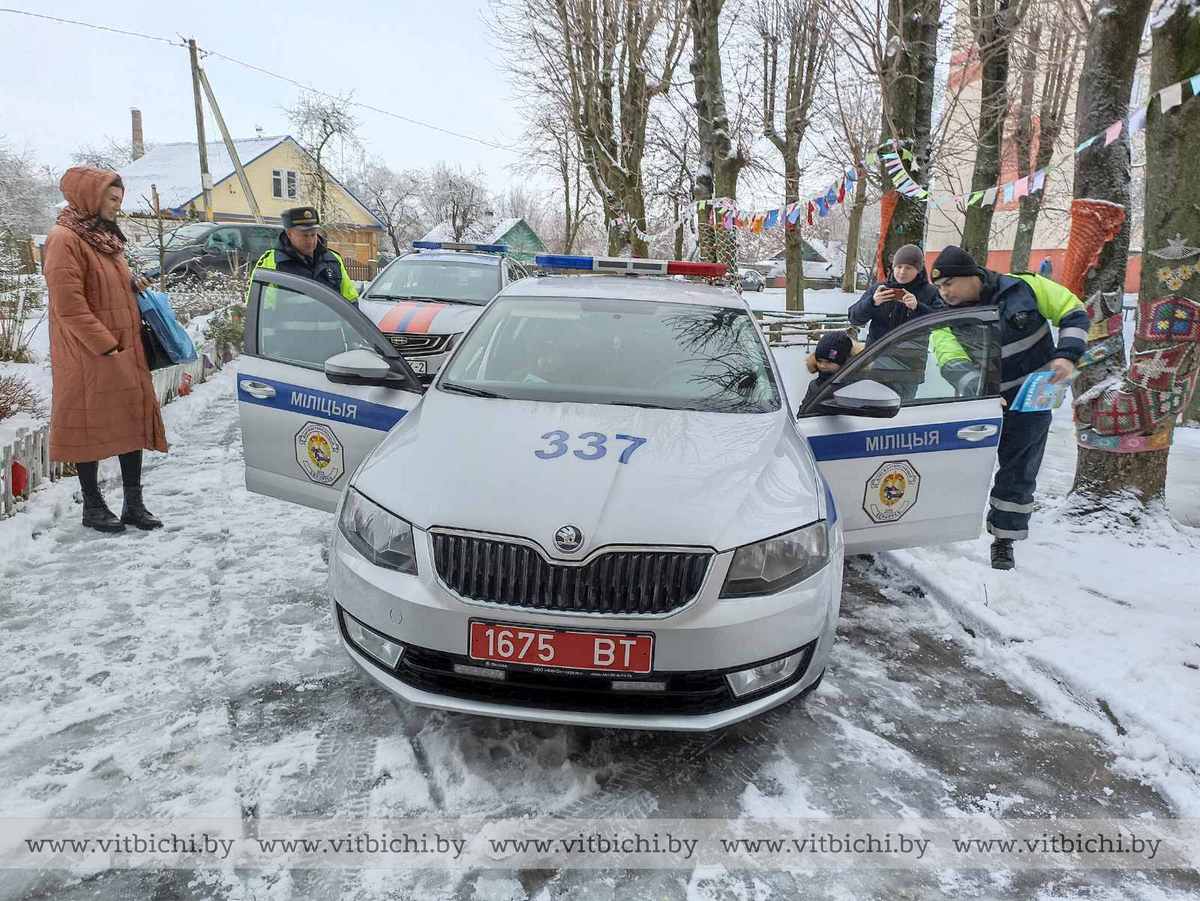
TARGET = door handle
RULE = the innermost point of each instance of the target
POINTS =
(257, 389)
(977, 432)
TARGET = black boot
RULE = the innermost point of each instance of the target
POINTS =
(96, 514)
(134, 513)
(1002, 554)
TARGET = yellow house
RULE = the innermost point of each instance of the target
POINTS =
(277, 169)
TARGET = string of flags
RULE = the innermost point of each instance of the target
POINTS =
(725, 211)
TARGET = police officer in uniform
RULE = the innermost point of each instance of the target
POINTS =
(1028, 305)
(301, 250)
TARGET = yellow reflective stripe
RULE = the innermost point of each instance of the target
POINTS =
(348, 290)
(1054, 301)
(946, 348)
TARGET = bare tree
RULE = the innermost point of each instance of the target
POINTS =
(111, 154)
(393, 197)
(794, 37)
(322, 125)
(27, 195)
(993, 23)
(1102, 173)
(457, 198)
(552, 149)
(1037, 141)
(603, 62)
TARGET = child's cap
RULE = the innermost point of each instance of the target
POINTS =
(834, 348)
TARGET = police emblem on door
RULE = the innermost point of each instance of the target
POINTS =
(568, 539)
(319, 453)
(891, 491)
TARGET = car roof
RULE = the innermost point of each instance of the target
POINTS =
(457, 256)
(624, 287)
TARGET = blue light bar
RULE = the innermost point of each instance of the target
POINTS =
(458, 245)
(561, 261)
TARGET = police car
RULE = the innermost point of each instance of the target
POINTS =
(605, 510)
(425, 300)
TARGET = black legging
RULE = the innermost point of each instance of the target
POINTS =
(131, 472)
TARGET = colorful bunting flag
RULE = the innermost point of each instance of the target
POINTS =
(1086, 144)
(1196, 85)
(841, 195)
(772, 219)
(989, 197)
(1171, 96)
(831, 196)
(1113, 132)
(1021, 188)
(794, 214)
(1137, 119)
(1008, 192)
(975, 198)
(1039, 180)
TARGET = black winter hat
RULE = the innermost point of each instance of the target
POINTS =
(834, 348)
(954, 261)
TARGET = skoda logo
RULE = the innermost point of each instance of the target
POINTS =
(568, 539)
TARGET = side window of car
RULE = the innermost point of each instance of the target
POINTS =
(297, 329)
(933, 363)
(225, 240)
(259, 241)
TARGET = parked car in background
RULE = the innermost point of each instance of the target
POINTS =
(425, 300)
(752, 280)
(199, 249)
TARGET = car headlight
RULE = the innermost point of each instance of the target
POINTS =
(777, 563)
(382, 538)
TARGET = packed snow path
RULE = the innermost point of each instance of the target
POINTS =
(194, 671)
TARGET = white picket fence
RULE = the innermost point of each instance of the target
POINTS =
(31, 446)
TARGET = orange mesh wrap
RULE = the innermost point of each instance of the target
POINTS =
(887, 207)
(1093, 224)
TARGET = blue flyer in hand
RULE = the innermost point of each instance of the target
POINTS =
(1038, 394)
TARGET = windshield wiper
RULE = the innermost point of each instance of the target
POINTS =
(386, 297)
(471, 390)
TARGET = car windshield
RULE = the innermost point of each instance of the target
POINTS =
(639, 353)
(466, 282)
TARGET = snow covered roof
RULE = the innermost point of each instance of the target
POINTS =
(175, 169)
(479, 233)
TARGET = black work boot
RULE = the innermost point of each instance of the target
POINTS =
(96, 515)
(1002, 554)
(134, 513)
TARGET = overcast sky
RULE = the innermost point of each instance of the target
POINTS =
(65, 86)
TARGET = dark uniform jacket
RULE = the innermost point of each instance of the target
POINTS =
(887, 316)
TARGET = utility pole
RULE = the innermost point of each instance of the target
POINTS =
(251, 200)
(205, 177)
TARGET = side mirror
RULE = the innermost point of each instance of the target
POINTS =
(865, 398)
(358, 367)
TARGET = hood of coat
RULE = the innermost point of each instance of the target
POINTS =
(84, 186)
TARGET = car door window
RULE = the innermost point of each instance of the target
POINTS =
(225, 240)
(259, 241)
(928, 363)
(300, 330)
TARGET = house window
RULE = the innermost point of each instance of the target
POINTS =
(284, 183)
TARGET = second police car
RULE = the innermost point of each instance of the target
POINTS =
(604, 510)
(425, 300)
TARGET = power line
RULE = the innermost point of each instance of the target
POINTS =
(301, 85)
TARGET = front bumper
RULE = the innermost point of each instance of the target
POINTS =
(694, 648)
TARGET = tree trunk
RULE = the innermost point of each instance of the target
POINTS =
(1027, 219)
(908, 106)
(793, 245)
(1103, 173)
(993, 106)
(854, 235)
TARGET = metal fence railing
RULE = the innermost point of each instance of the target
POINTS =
(30, 447)
(791, 329)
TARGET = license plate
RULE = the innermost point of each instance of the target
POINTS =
(610, 652)
(418, 366)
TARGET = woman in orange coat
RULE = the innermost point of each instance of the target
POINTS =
(103, 402)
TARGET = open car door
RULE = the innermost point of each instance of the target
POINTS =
(318, 388)
(907, 448)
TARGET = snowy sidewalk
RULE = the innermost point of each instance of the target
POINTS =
(1109, 618)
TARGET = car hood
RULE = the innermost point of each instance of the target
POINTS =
(715, 480)
(421, 317)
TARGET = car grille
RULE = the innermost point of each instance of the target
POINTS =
(615, 582)
(418, 344)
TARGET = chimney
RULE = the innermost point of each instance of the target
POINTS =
(139, 143)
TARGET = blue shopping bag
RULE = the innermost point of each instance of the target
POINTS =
(156, 312)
